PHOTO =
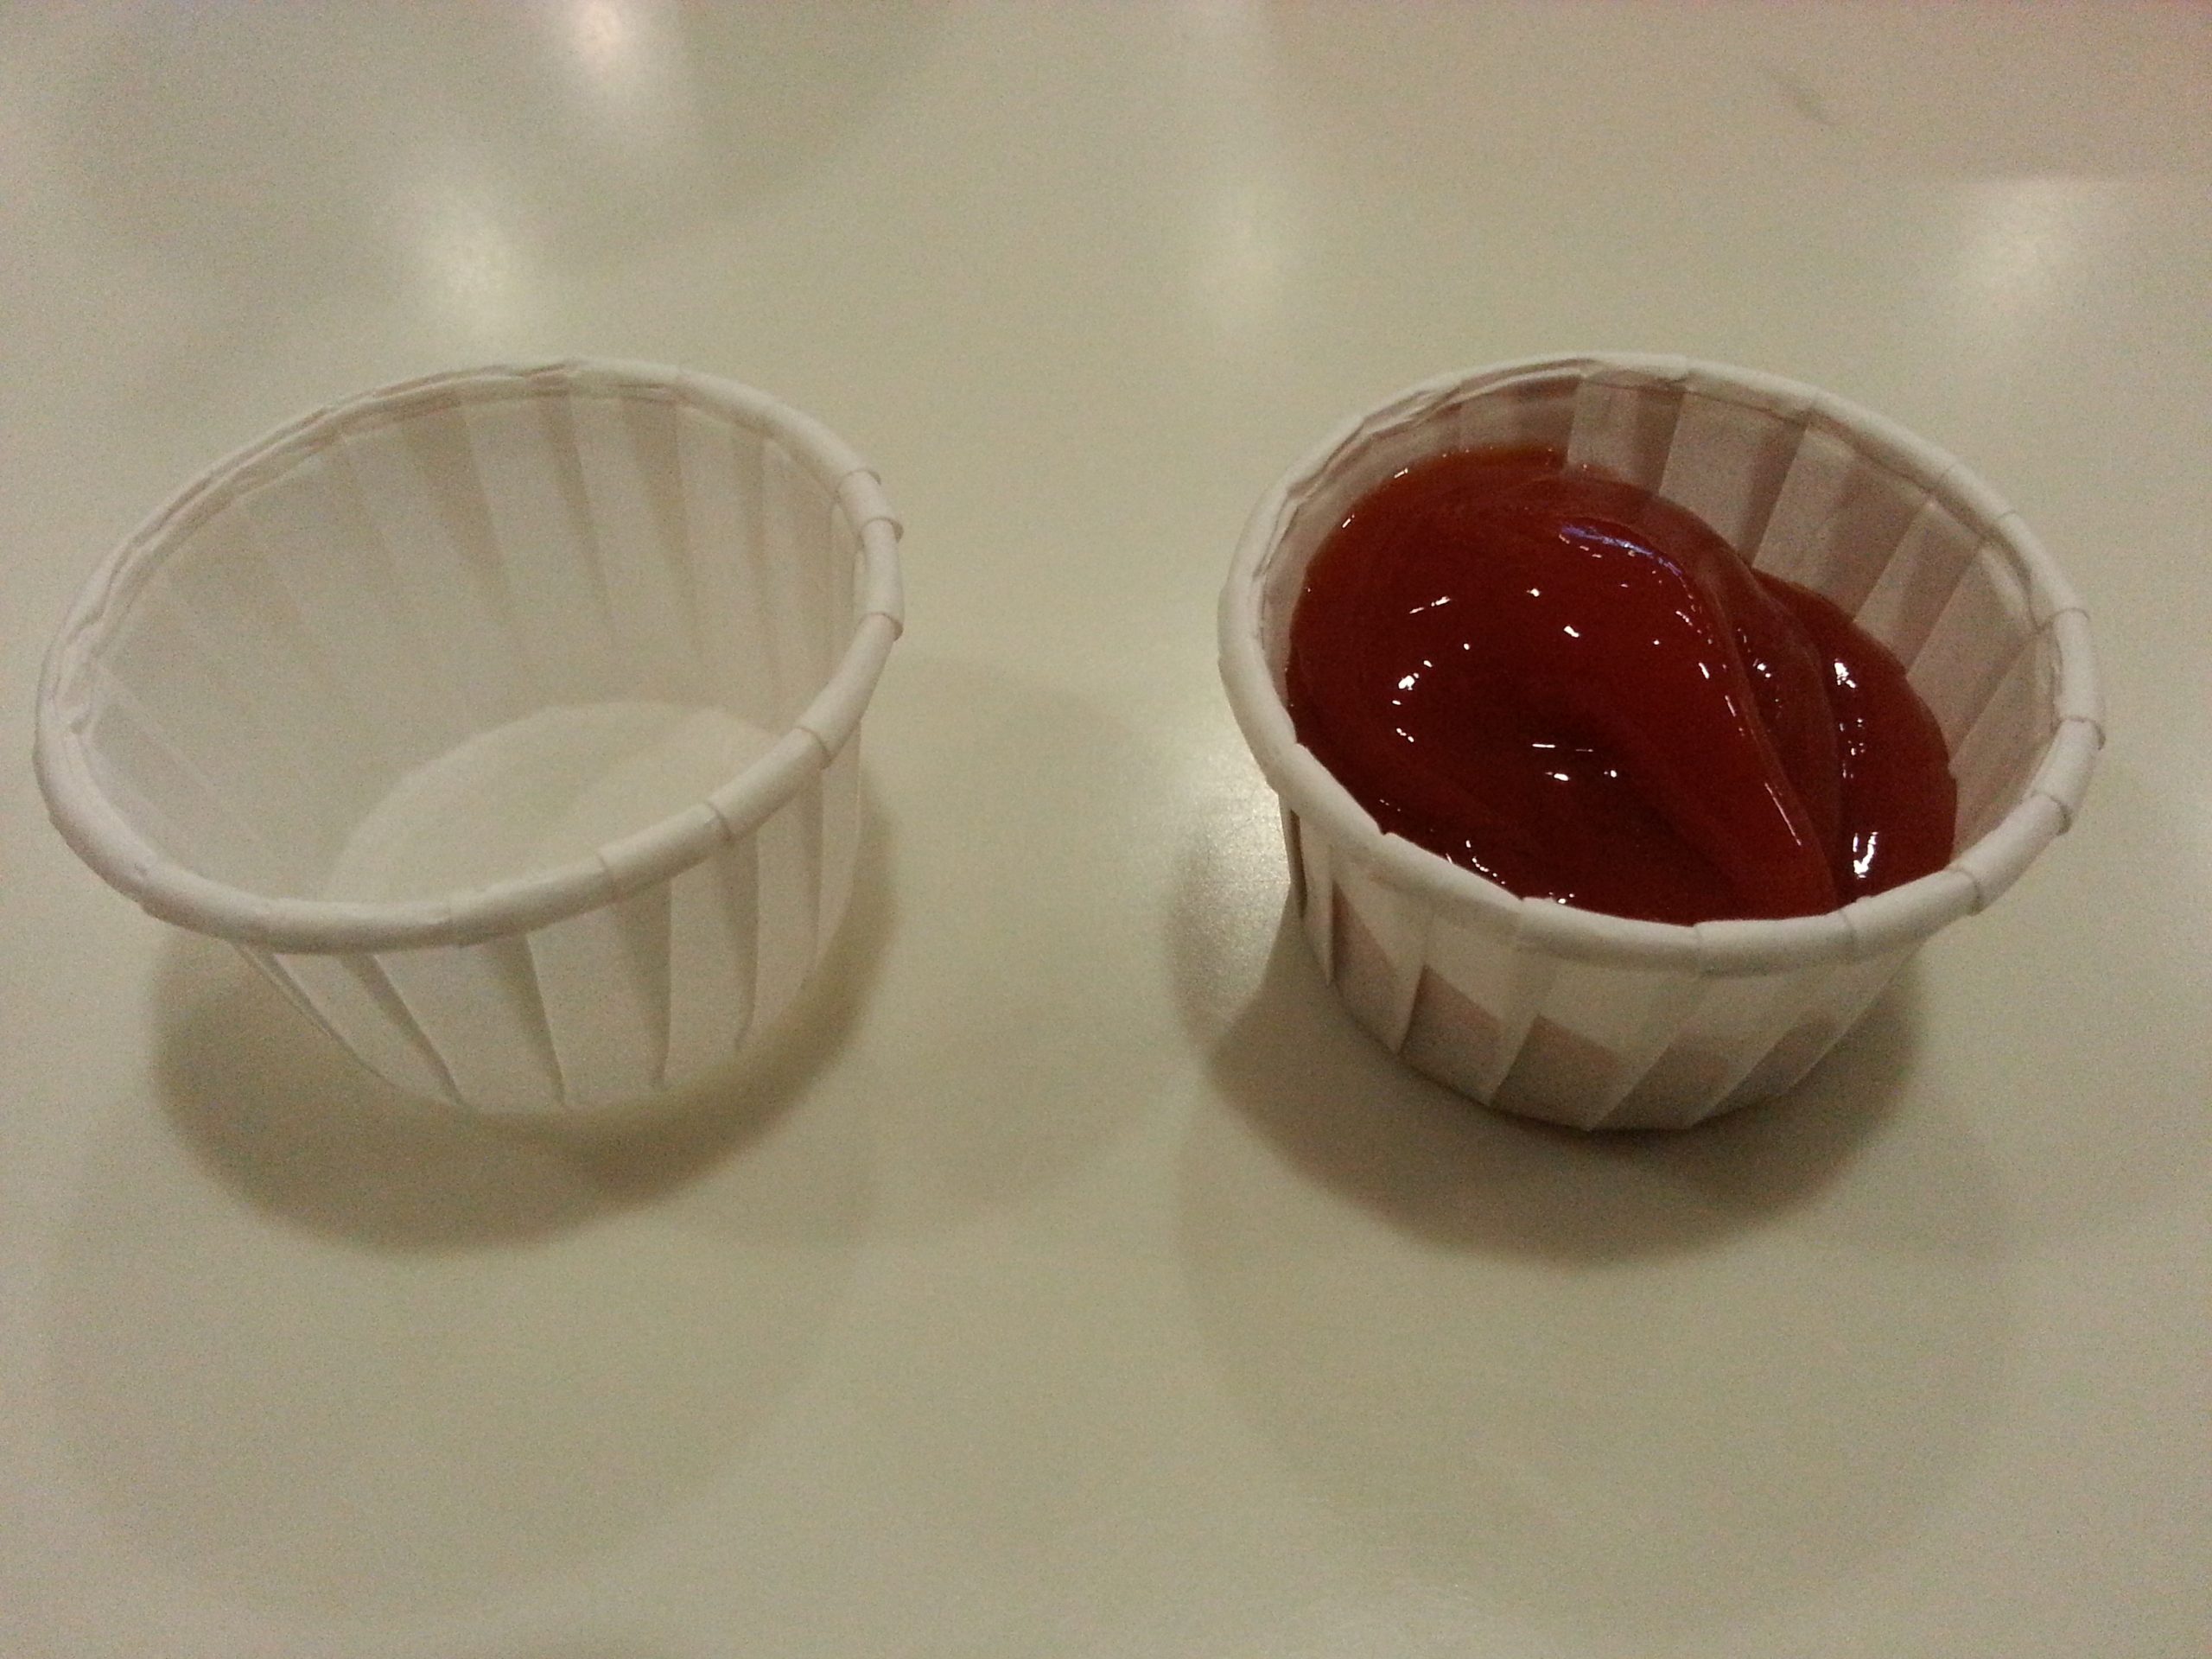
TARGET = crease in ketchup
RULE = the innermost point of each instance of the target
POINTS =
(1580, 691)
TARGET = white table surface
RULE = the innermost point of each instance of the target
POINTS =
(1074, 1279)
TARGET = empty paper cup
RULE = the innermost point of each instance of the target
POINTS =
(1594, 1020)
(507, 720)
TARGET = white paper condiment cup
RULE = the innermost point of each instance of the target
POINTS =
(1594, 1020)
(506, 719)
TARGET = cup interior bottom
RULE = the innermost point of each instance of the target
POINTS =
(538, 792)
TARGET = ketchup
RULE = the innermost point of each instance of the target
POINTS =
(1580, 691)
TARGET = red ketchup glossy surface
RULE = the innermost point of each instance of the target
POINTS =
(1580, 691)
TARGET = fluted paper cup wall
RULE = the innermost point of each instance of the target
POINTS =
(1596, 1022)
(507, 720)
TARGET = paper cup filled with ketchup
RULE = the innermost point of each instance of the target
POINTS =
(1634, 718)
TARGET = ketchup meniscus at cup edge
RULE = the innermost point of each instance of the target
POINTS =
(1567, 685)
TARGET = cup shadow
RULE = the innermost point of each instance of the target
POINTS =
(1631, 1384)
(288, 1121)
(1353, 1117)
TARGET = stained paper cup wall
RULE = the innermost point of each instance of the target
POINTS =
(507, 720)
(1594, 1020)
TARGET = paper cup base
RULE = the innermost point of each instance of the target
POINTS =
(1579, 1044)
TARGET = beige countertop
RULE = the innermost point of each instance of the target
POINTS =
(1073, 1277)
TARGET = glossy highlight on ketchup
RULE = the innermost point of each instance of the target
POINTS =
(1580, 691)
